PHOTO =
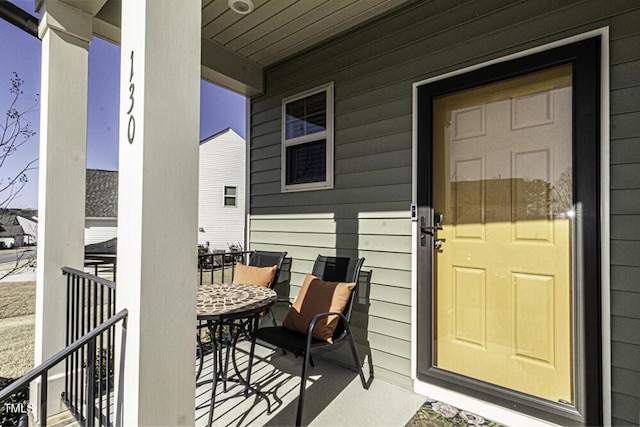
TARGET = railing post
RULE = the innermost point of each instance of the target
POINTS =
(212, 265)
(43, 398)
(67, 369)
(82, 314)
(91, 382)
(74, 336)
(120, 392)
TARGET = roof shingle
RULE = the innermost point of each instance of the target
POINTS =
(101, 194)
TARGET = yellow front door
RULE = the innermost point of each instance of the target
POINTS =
(502, 159)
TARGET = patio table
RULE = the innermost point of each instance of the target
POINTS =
(238, 308)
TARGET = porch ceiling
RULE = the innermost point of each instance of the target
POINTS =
(237, 47)
(277, 29)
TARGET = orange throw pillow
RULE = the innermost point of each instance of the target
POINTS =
(317, 296)
(249, 275)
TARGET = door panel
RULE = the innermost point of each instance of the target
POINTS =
(502, 177)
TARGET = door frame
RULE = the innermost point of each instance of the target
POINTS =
(592, 351)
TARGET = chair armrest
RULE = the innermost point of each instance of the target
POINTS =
(282, 300)
(319, 316)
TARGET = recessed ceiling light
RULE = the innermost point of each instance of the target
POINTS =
(241, 6)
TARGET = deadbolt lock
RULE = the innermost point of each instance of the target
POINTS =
(430, 230)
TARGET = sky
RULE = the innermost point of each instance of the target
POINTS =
(20, 52)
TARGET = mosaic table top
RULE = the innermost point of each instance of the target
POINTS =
(227, 300)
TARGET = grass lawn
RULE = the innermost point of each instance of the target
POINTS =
(17, 299)
(16, 350)
(17, 312)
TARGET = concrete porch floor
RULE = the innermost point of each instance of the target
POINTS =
(334, 397)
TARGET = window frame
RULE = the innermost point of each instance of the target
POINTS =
(327, 135)
(225, 196)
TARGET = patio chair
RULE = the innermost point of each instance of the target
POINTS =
(268, 259)
(257, 259)
(326, 269)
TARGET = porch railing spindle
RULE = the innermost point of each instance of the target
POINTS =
(44, 391)
(67, 383)
(108, 368)
(212, 260)
(91, 375)
(74, 373)
(101, 348)
(233, 266)
(83, 361)
(110, 307)
(89, 372)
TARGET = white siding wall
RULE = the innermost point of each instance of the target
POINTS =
(222, 163)
(30, 228)
(10, 242)
(98, 230)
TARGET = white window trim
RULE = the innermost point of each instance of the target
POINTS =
(327, 135)
(224, 196)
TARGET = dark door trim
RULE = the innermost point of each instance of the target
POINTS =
(585, 57)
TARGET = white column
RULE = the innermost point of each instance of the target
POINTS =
(158, 209)
(65, 34)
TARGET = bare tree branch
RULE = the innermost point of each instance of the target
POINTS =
(25, 262)
(15, 132)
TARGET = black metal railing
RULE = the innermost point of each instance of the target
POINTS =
(88, 341)
(89, 374)
(220, 266)
(102, 265)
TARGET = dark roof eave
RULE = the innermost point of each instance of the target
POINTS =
(20, 18)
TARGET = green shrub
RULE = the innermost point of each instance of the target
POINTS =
(20, 397)
(234, 247)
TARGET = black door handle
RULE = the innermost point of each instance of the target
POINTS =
(425, 229)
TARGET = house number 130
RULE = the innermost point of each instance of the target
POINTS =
(131, 127)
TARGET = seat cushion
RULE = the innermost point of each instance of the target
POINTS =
(286, 339)
(249, 275)
(317, 296)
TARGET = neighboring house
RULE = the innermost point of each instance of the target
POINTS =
(17, 231)
(30, 228)
(221, 206)
(11, 236)
(101, 210)
(221, 210)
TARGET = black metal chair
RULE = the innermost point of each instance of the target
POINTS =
(256, 259)
(330, 269)
(268, 259)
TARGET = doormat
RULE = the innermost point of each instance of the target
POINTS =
(438, 414)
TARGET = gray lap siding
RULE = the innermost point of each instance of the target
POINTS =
(367, 213)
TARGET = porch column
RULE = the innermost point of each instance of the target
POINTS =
(65, 33)
(158, 209)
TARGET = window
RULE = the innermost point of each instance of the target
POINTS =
(230, 196)
(307, 140)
